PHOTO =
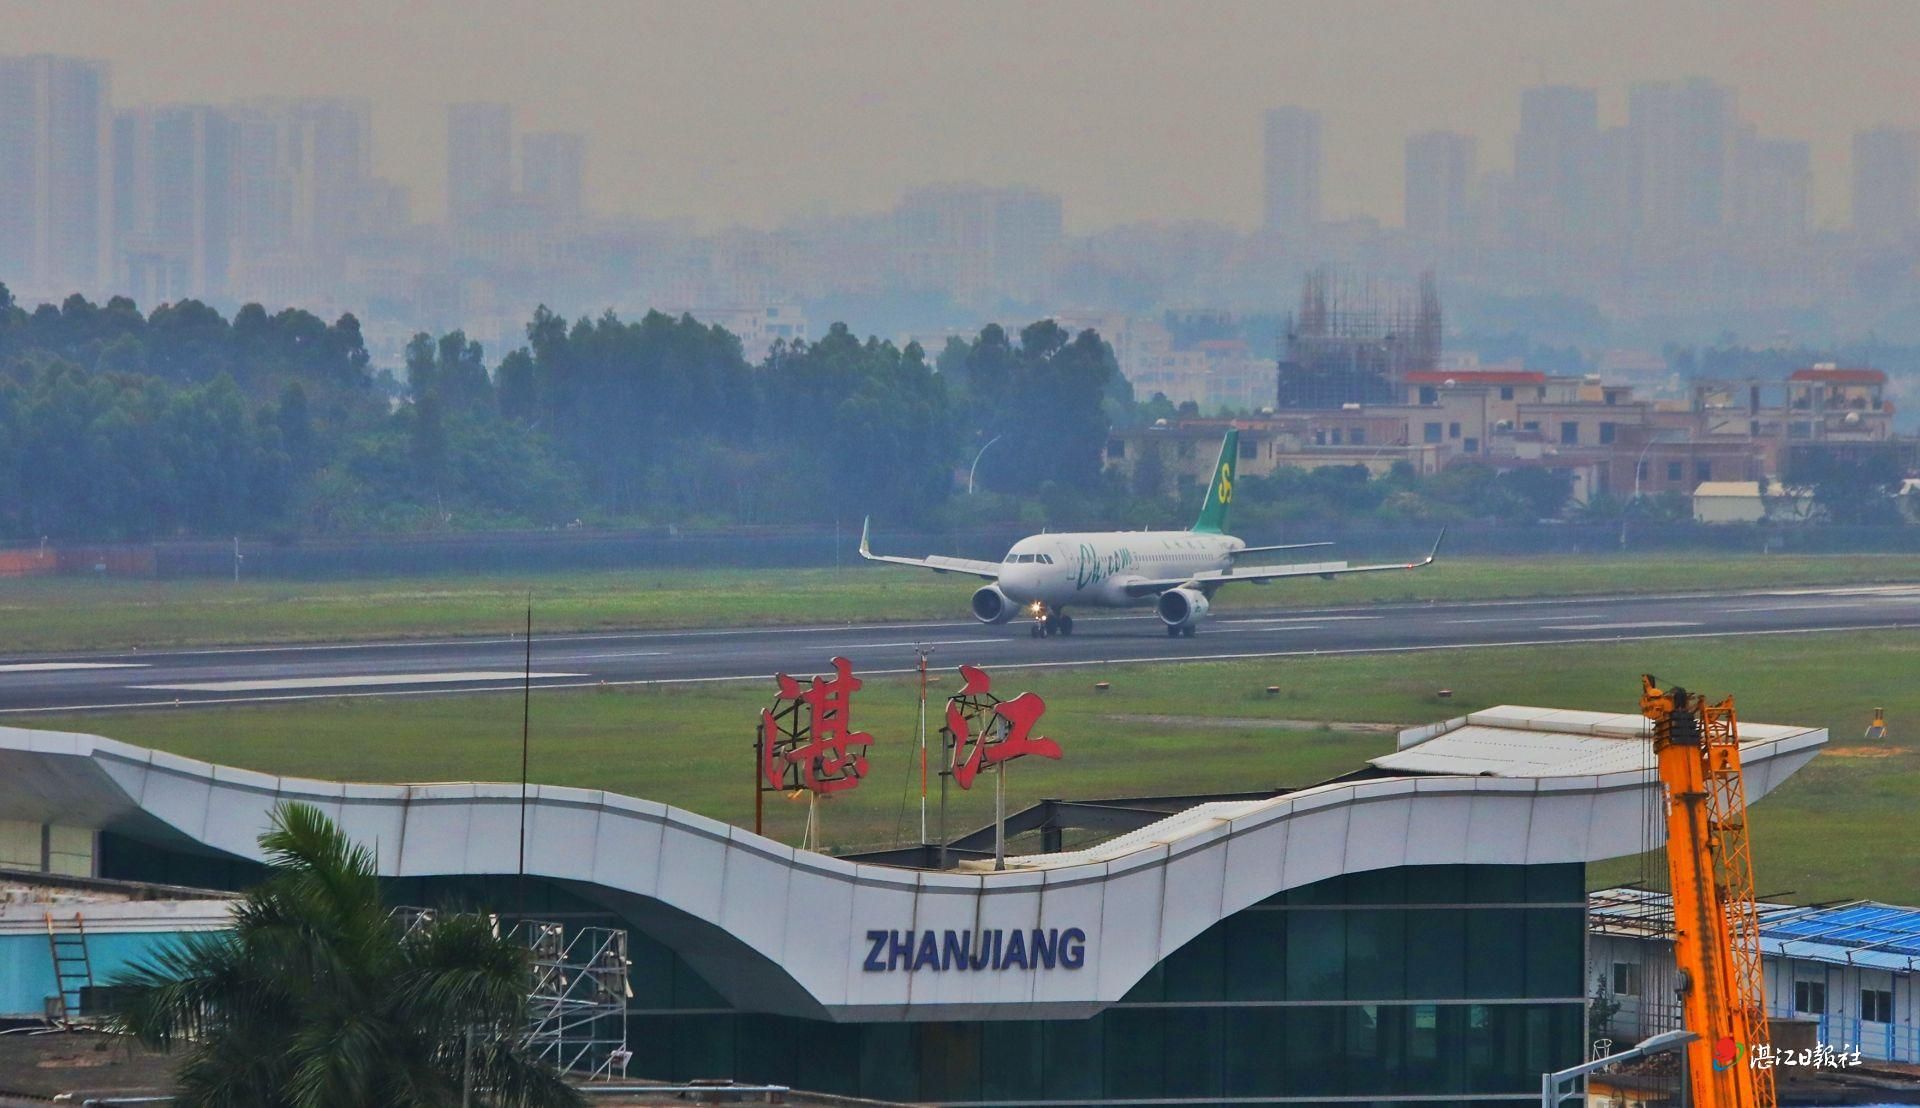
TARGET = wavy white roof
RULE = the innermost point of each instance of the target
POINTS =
(783, 930)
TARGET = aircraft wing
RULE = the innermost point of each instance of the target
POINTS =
(1245, 550)
(939, 563)
(1212, 579)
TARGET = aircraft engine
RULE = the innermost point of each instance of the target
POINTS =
(990, 605)
(1182, 607)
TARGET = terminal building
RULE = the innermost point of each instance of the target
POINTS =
(1411, 933)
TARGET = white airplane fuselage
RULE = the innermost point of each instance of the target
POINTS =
(1093, 568)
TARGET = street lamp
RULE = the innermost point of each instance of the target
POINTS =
(1554, 1086)
(976, 462)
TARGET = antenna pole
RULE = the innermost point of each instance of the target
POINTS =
(526, 729)
(923, 651)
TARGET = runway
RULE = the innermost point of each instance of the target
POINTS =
(45, 684)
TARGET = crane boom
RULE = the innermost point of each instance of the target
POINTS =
(1716, 929)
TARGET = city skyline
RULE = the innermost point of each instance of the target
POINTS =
(682, 106)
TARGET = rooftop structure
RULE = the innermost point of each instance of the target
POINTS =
(1847, 968)
(1354, 342)
(1384, 920)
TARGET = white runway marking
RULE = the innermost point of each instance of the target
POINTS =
(353, 682)
(1618, 626)
(49, 667)
(1808, 607)
(920, 642)
(1301, 619)
(1511, 619)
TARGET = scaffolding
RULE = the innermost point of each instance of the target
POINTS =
(1354, 341)
(579, 994)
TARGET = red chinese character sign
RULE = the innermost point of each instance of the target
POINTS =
(986, 730)
(807, 742)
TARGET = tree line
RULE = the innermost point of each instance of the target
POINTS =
(122, 425)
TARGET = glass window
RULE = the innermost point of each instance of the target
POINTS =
(1436, 884)
(1673, 471)
(1569, 433)
(1013, 1066)
(1496, 938)
(1607, 432)
(1194, 971)
(1377, 954)
(1436, 953)
(1194, 1052)
(1256, 955)
(1134, 1053)
(1810, 997)
(1429, 395)
(1071, 1062)
(1359, 436)
(1564, 884)
(1316, 954)
(1254, 1065)
(1555, 945)
(1497, 884)
(1626, 979)
(1313, 1044)
(1703, 471)
(949, 1060)
(1431, 432)
(1249, 448)
(1876, 1005)
(1506, 392)
(1453, 430)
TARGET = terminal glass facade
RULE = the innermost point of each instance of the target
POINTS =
(1428, 985)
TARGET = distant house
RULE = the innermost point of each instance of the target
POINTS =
(1747, 502)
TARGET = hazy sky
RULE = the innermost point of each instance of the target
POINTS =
(745, 112)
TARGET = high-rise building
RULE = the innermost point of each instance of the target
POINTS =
(982, 245)
(553, 168)
(56, 153)
(1886, 182)
(1773, 183)
(1680, 135)
(1292, 170)
(301, 168)
(479, 160)
(1439, 184)
(173, 202)
(1556, 160)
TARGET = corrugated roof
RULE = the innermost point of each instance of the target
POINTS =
(1840, 376)
(1516, 741)
(1866, 933)
(1475, 377)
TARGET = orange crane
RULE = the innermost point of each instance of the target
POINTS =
(1716, 927)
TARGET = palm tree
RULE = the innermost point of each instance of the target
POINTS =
(318, 998)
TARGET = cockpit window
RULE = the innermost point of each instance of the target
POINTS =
(1046, 559)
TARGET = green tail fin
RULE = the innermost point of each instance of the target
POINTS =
(1213, 511)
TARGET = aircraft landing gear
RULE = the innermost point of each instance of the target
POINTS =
(1174, 631)
(1055, 622)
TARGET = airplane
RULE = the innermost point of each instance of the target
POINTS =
(1175, 571)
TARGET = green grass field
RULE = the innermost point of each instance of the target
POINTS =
(55, 614)
(1842, 827)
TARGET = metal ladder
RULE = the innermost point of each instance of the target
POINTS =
(72, 965)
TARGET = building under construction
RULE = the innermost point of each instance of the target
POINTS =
(1354, 341)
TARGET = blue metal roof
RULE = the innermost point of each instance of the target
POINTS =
(1885, 936)
(1867, 933)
